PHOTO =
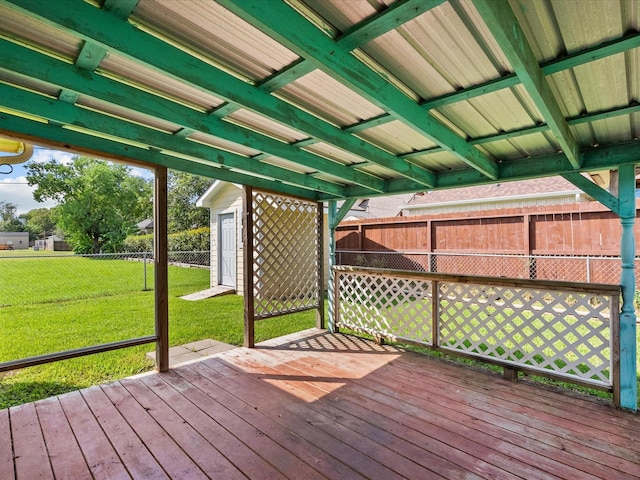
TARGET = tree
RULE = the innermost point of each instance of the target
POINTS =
(40, 222)
(99, 202)
(183, 191)
(9, 221)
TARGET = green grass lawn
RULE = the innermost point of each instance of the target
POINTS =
(48, 306)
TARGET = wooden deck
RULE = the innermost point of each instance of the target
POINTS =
(315, 406)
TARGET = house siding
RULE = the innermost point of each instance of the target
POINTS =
(227, 201)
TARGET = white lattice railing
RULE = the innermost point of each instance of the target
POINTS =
(557, 329)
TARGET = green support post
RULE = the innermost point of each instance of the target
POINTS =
(628, 398)
(332, 214)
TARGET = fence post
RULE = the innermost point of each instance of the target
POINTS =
(588, 269)
(144, 263)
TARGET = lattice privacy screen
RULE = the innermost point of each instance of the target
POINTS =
(564, 333)
(393, 307)
(568, 333)
(287, 238)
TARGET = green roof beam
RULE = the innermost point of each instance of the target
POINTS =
(359, 34)
(283, 23)
(503, 25)
(64, 139)
(120, 8)
(389, 19)
(133, 134)
(519, 132)
(105, 29)
(90, 56)
(37, 65)
(593, 190)
(597, 52)
(593, 159)
(342, 212)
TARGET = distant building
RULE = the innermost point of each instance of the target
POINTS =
(52, 243)
(538, 192)
(14, 240)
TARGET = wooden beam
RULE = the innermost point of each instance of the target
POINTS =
(161, 269)
(503, 25)
(520, 132)
(286, 25)
(368, 29)
(247, 251)
(595, 191)
(593, 159)
(340, 214)
(102, 28)
(581, 57)
(47, 69)
(39, 133)
(130, 133)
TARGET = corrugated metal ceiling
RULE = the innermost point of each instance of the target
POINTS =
(247, 96)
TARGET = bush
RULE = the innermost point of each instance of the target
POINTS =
(187, 241)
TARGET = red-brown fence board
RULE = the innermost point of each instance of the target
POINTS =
(579, 229)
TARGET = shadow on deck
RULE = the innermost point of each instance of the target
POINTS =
(315, 405)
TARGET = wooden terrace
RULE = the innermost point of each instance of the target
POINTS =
(319, 405)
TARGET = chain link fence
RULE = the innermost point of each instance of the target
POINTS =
(539, 267)
(48, 278)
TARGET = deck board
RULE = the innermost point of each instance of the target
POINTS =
(6, 449)
(63, 449)
(314, 406)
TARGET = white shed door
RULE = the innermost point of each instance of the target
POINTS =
(227, 250)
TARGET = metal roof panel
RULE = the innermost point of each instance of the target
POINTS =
(217, 34)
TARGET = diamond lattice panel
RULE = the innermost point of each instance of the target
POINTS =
(393, 307)
(286, 237)
(565, 332)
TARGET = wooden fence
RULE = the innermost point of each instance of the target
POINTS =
(584, 229)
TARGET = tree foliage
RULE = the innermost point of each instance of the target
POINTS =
(183, 191)
(40, 222)
(9, 221)
(99, 202)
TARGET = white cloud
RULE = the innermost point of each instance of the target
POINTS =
(42, 155)
(16, 191)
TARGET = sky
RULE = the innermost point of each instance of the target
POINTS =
(14, 188)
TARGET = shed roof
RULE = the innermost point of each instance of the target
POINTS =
(329, 99)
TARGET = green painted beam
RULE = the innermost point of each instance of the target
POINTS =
(64, 139)
(593, 159)
(519, 132)
(389, 19)
(90, 56)
(595, 191)
(581, 57)
(70, 79)
(92, 24)
(287, 75)
(359, 34)
(503, 25)
(283, 23)
(68, 96)
(133, 134)
(342, 212)
(120, 8)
